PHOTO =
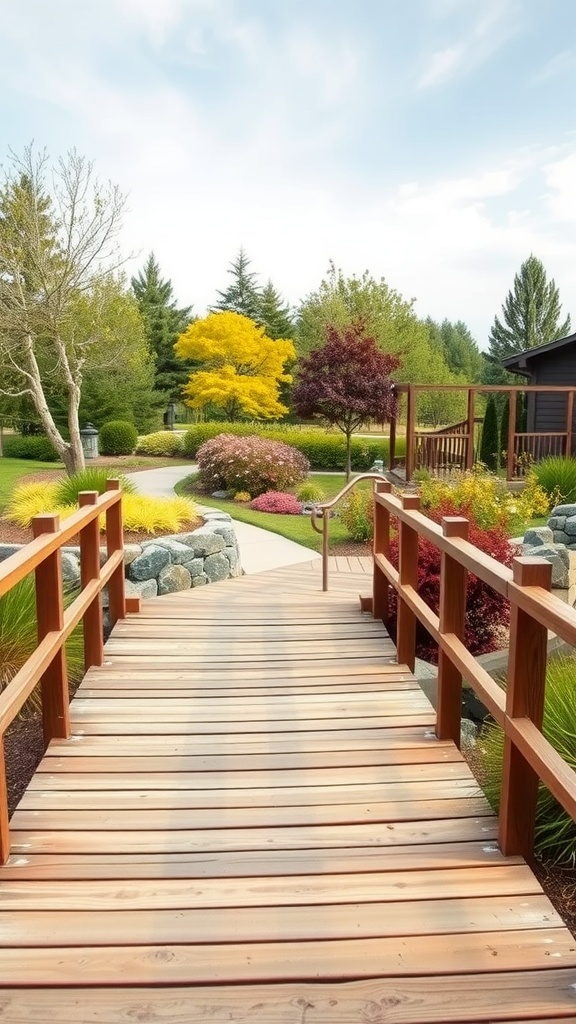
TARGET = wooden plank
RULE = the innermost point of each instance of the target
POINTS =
(299, 924)
(377, 887)
(341, 961)
(449, 999)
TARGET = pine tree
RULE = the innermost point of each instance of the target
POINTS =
(164, 323)
(530, 317)
(243, 295)
(273, 315)
(489, 447)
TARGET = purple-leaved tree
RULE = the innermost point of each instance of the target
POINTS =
(347, 381)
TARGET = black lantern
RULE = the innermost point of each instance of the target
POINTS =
(89, 439)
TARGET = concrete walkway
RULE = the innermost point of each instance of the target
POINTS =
(260, 550)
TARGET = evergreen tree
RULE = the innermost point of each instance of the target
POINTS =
(164, 322)
(504, 427)
(460, 351)
(530, 317)
(273, 315)
(243, 295)
(489, 441)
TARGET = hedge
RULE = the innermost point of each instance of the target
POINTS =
(30, 447)
(324, 449)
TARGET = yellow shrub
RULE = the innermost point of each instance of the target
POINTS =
(29, 500)
(156, 515)
(487, 498)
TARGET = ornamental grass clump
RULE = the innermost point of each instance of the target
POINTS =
(251, 464)
(277, 502)
(557, 477)
(555, 837)
(93, 478)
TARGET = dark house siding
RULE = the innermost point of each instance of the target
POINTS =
(547, 412)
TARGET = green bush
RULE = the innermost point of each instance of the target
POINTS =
(489, 441)
(309, 491)
(357, 514)
(557, 476)
(555, 829)
(161, 442)
(93, 478)
(118, 437)
(30, 447)
(324, 449)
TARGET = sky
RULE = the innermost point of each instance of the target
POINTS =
(430, 142)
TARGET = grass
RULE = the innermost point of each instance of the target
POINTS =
(296, 528)
(12, 471)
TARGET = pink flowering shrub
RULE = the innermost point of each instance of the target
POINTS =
(277, 501)
(252, 464)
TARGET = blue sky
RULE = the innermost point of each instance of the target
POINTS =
(432, 142)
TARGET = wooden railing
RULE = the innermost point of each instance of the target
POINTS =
(47, 665)
(323, 511)
(528, 757)
(529, 448)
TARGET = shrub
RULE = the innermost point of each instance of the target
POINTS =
(490, 441)
(161, 442)
(357, 514)
(278, 502)
(252, 464)
(242, 497)
(310, 492)
(118, 437)
(157, 515)
(30, 447)
(487, 612)
(93, 478)
(557, 477)
(555, 829)
(485, 498)
(324, 449)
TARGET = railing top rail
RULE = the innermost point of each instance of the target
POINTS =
(23, 562)
(351, 483)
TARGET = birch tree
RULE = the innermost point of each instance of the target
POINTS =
(58, 244)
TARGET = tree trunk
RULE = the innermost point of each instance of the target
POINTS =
(71, 453)
(348, 455)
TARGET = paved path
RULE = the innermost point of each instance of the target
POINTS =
(260, 550)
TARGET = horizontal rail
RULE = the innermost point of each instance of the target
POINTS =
(55, 624)
(528, 756)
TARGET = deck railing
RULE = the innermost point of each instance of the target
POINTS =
(47, 665)
(528, 757)
(323, 510)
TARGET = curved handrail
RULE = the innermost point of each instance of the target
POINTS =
(326, 506)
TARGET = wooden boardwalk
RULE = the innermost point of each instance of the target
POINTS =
(254, 822)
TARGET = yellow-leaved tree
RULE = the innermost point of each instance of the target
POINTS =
(243, 367)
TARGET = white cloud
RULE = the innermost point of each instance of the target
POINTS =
(487, 27)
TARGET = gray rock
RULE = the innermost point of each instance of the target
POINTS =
(203, 542)
(174, 578)
(559, 558)
(559, 537)
(179, 552)
(570, 526)
(233, 556)
(144, 588)
(217, 567)
(557, 522)
(538, 535)
(564, 510)
(70, 569)
(221, 494)
(227, 532)
(149, 563)
(8, 549)
(217, 517)
(200, 581)
(195, 567)
(131, 552)
(468, 733)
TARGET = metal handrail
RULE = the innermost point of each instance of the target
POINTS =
(326, 506)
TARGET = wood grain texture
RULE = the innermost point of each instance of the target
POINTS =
(253, 820)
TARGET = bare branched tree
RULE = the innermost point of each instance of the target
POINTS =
(58, 242)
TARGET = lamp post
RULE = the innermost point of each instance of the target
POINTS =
(170, 416)
(89, 440)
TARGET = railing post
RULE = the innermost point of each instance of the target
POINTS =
(115, 542)
(470, 446)
(525, 694)
(410, 431)
(392, 443)
(511, 439)
(451, 615)
(50, 619)
(407, 576)
(380, 546)
(90, 570)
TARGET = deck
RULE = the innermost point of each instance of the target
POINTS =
(253, 821)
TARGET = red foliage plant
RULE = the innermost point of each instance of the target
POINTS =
(487, 612)
(278, 502)
(347, 381)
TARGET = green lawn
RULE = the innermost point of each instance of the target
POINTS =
(296, 528)
(11, 471)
